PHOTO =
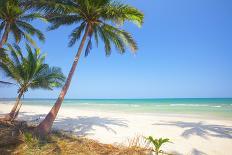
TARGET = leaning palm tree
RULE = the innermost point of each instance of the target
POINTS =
(28, 72)
(94, 19)
(15, 19)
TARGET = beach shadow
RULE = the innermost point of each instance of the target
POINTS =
(80, 126)
(83, 126)
(197, 152)
(201, 129)
(32, 119)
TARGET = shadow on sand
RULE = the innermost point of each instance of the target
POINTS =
(80, 126)
(83, 126)
(201, 129)
(197, 152)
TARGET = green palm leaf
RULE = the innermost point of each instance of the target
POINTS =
(157, 143)
(15, 18)
(103, 17)
(29, 71)
(92, 17)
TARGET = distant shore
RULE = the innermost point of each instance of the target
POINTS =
(190, 135)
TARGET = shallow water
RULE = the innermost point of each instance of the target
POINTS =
(212, 107)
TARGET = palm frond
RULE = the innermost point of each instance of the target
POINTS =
(2, 25)
(103, 16)
(30, 71)
(5, 83)
(88, 47)
(17, 33)
(48, 7)
(32, 16)
(119, 13)
(106, 41)
(59, 20)
(19, 16)
(158, 142)
(48, 78)
(76, 34)
(30, 30)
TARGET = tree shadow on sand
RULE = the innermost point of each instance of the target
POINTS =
(80, 126)
(201, 129)
(31, 117)
(83, 126)
(197, 152)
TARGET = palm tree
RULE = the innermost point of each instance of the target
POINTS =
(94, 19)
(15, 19)
(28, 72)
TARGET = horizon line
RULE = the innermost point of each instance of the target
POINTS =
(125, 98)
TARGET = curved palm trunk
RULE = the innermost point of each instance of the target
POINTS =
(12, 115)
(45, 126)
(16, 112)
(5, 35)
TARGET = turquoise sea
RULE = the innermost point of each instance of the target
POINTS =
(216, 107)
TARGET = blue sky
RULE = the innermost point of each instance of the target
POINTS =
(185, 50)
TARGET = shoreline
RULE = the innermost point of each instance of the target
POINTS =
(116, 111)
(188, 134)
(213, 111)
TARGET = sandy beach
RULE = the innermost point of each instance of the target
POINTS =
(192, 136)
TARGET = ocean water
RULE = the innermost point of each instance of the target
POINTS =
(212, 107)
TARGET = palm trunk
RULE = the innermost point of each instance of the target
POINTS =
(11, 115)
(16, 113)
(5, 35)
(45, 126)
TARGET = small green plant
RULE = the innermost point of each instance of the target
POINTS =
(157, 143)
(30, 140)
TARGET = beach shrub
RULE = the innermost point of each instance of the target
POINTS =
(137, 141)
(30, 140)
(157, 143)
(25, 142)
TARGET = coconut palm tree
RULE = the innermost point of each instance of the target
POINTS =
(93, 19)
(28, 72)
(15, 19)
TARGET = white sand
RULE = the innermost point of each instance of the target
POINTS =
(190, 136)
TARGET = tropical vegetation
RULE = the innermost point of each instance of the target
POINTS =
(16, 19)
(28, 72)
(24, 142)
(93, 19)
(98, 20)
(157, 143)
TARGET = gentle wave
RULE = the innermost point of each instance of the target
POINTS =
(105, 104)
(191, 105)
(85, 103)
(135, 105)
(217, 106)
